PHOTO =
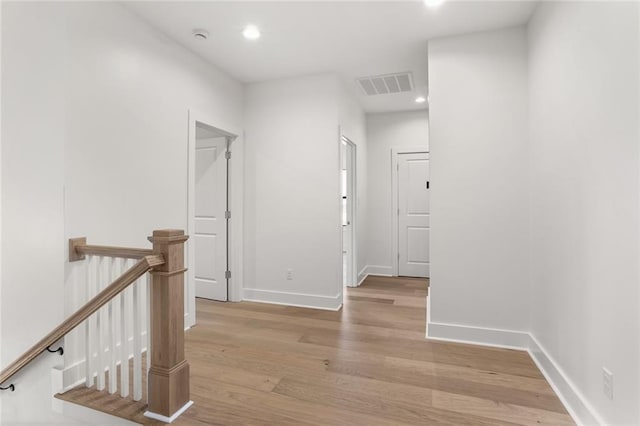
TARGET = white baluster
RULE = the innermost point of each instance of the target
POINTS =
(89, 323)
(137, 343)
(100, 319)
(148, 321)
(124, 338)
(113, 327)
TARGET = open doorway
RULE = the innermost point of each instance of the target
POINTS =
(348, 211)
(209, 211)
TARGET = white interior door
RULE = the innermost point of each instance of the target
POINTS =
(413, 215)
(210, 237)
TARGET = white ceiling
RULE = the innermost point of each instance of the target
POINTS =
(351, 38)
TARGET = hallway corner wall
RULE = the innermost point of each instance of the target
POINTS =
(479, 169)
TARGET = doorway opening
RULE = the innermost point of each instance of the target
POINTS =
(208, 212)
(411, 227)
(348, 207)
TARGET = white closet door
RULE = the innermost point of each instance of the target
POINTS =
(413, 215)
(210, 223)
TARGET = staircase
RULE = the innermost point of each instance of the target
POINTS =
(133, 317)
(112, 403)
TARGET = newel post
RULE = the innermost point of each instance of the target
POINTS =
(168, 381)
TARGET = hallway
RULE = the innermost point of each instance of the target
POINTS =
(366, 364)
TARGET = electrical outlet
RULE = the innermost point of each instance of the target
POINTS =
(289, 274)
(607, 383)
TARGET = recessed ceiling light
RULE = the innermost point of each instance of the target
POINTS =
(251, 32)
(433, 3)
(201, 34)
(421, 100)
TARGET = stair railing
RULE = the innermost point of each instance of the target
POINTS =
(145, 298)
(119, 330)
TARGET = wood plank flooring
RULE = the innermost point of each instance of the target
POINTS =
(368, 364)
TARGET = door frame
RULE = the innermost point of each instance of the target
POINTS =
(235, 185)
(394, 201)
(354, 210)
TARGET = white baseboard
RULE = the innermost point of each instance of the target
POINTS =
(574, 401)
(362, 275)
(576, 404)
(314, 301)
(166, 419)
(361, 279)
(382, 271)
(508, 339)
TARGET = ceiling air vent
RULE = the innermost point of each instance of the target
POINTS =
(386, 84)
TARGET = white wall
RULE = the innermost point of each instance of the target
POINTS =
(128, 99)
(1, 215)
(408, 129)
(292, 192)
(535, 165)
(479, 196)
(95, 106)
(33, 137)
(584, 203)
(131, 92)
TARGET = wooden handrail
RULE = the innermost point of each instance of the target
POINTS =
(141, 267)
(126, 252)
(78, 249)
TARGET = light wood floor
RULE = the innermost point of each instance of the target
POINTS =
(368, 364)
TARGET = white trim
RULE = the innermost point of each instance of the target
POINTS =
(361, 280)
(394, 200)
(573, 400)
(166, 419)
(426, 332)
(362, 275)
(380, 270)
(314, 301)
(374, 270)
(236, 223)
(354, 208)
(236, 205)
(484, 336)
